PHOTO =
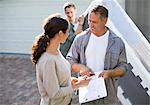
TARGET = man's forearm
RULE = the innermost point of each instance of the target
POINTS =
(117, 72)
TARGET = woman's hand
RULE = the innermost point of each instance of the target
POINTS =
(73, 81)
(80, 82)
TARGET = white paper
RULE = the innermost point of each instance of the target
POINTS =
(96, 89)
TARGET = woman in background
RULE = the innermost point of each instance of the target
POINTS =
(52, 69)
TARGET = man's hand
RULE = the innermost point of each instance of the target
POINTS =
(82, 69)
(105, 74)
(80, 25)
(85, 71)
(81, 20)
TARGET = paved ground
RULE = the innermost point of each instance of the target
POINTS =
(17, 81)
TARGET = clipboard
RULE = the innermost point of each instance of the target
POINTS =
(96, 89)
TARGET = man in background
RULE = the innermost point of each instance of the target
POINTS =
(76, 25)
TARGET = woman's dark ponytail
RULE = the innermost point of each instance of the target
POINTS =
(53, 24)
(39, 47)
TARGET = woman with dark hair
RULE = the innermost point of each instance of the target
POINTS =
(52, 69)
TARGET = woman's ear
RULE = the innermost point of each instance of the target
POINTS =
(60, 33)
